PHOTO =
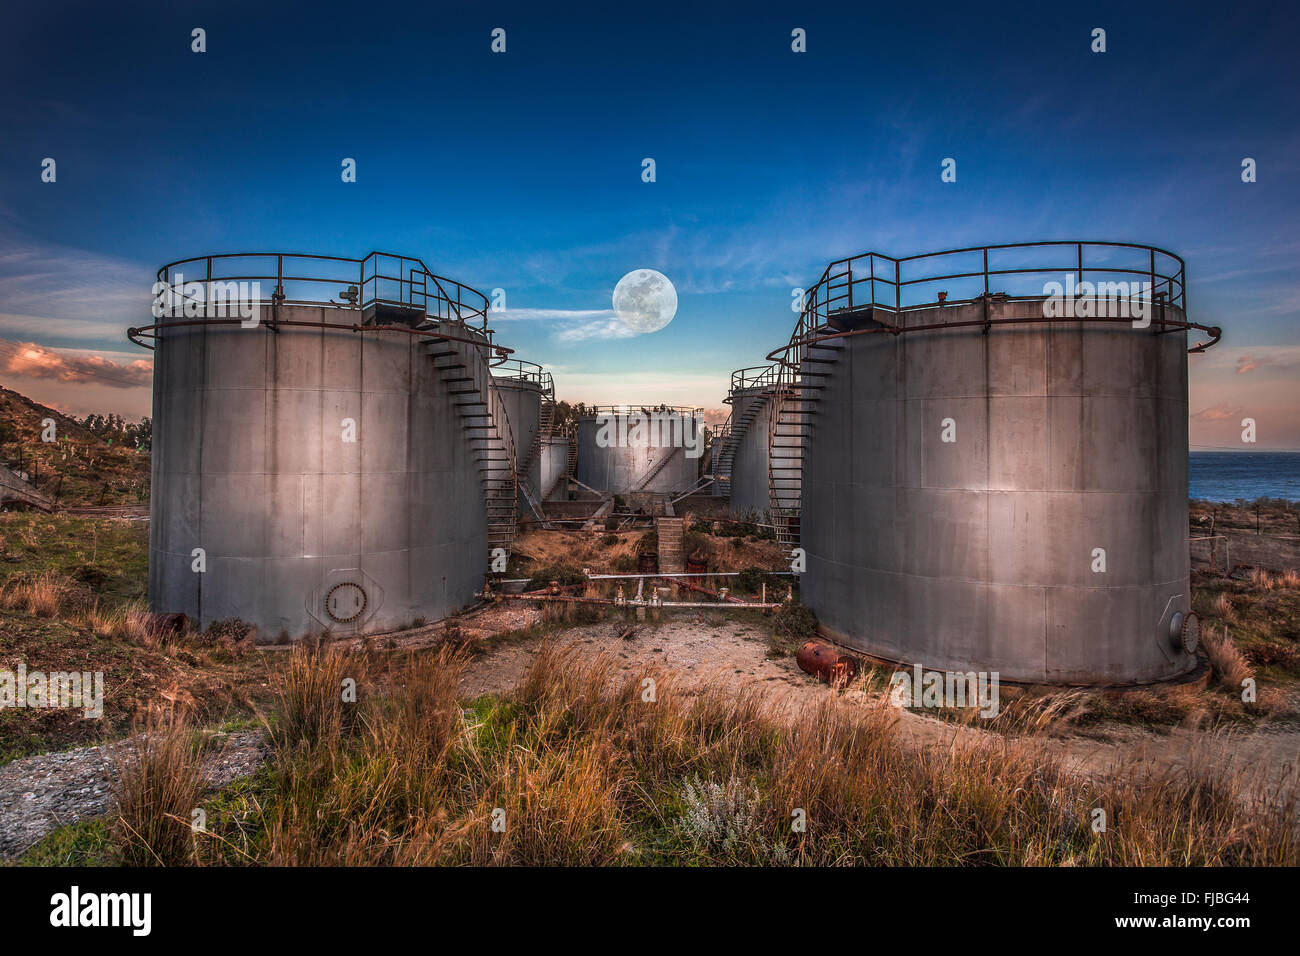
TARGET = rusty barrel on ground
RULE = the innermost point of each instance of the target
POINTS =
(826, 663)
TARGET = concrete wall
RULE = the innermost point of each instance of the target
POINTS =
(620, 469)
(977, 555)
(249, 464)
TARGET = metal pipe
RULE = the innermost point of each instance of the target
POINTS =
(677, 574)
(563, 599)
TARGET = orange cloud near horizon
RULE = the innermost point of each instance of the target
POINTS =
(29, 360)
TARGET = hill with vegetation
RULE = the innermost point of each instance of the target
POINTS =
(100, 460)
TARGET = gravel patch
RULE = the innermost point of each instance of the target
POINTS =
(39, 794)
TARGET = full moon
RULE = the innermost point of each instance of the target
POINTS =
(644, 300)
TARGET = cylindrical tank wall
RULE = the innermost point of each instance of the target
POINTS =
(749, 472)
(555, 460)
(523, 401)
(1014, 501)
(310, 466)
(615, 455)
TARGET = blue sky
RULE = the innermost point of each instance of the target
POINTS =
(523, 170)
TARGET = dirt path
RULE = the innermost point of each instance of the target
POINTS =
(737, 656)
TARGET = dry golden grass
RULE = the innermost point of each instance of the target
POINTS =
(589, 764)
(1223, 607)
(1269, 581)
(127, 622)
(159, 783)
(1228, 665)
(39, 596)
(311, 695)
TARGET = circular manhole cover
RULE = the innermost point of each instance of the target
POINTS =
(345, 602)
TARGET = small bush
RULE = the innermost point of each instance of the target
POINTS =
(722, 818)
(750, 580)
(796, 621)
(623, 563)
(91, 576)
(609, 539)
(229, 630)
(564, 574)
(693, 541)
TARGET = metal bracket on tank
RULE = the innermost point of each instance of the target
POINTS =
(277, 297)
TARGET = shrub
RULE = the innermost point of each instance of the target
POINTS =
(564, 574)
(795, 620)
(722, 817)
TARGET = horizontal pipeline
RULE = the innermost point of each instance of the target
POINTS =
(565, 599)
(686, 574)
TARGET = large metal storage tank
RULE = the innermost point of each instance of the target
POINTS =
(323, 460)
(615, 456)
(968, 466)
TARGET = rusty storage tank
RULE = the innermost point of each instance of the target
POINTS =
(994, 460)
(329, 452)
(624, 449)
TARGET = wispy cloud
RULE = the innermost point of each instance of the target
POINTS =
(56, 293)
(57, 329)
(1217, 413)
(572, 325)
(549, 315)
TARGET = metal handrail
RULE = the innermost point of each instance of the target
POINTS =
(742, 380)
(590, 411)
(525, 371)
(358, 284)
(849, 285)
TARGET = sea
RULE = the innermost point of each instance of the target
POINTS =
(1244, 476)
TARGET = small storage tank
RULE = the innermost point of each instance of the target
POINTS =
(997, 480)
(527, 390)
(624, 449)
(743, 453)
(555, 466)
(322, 465)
